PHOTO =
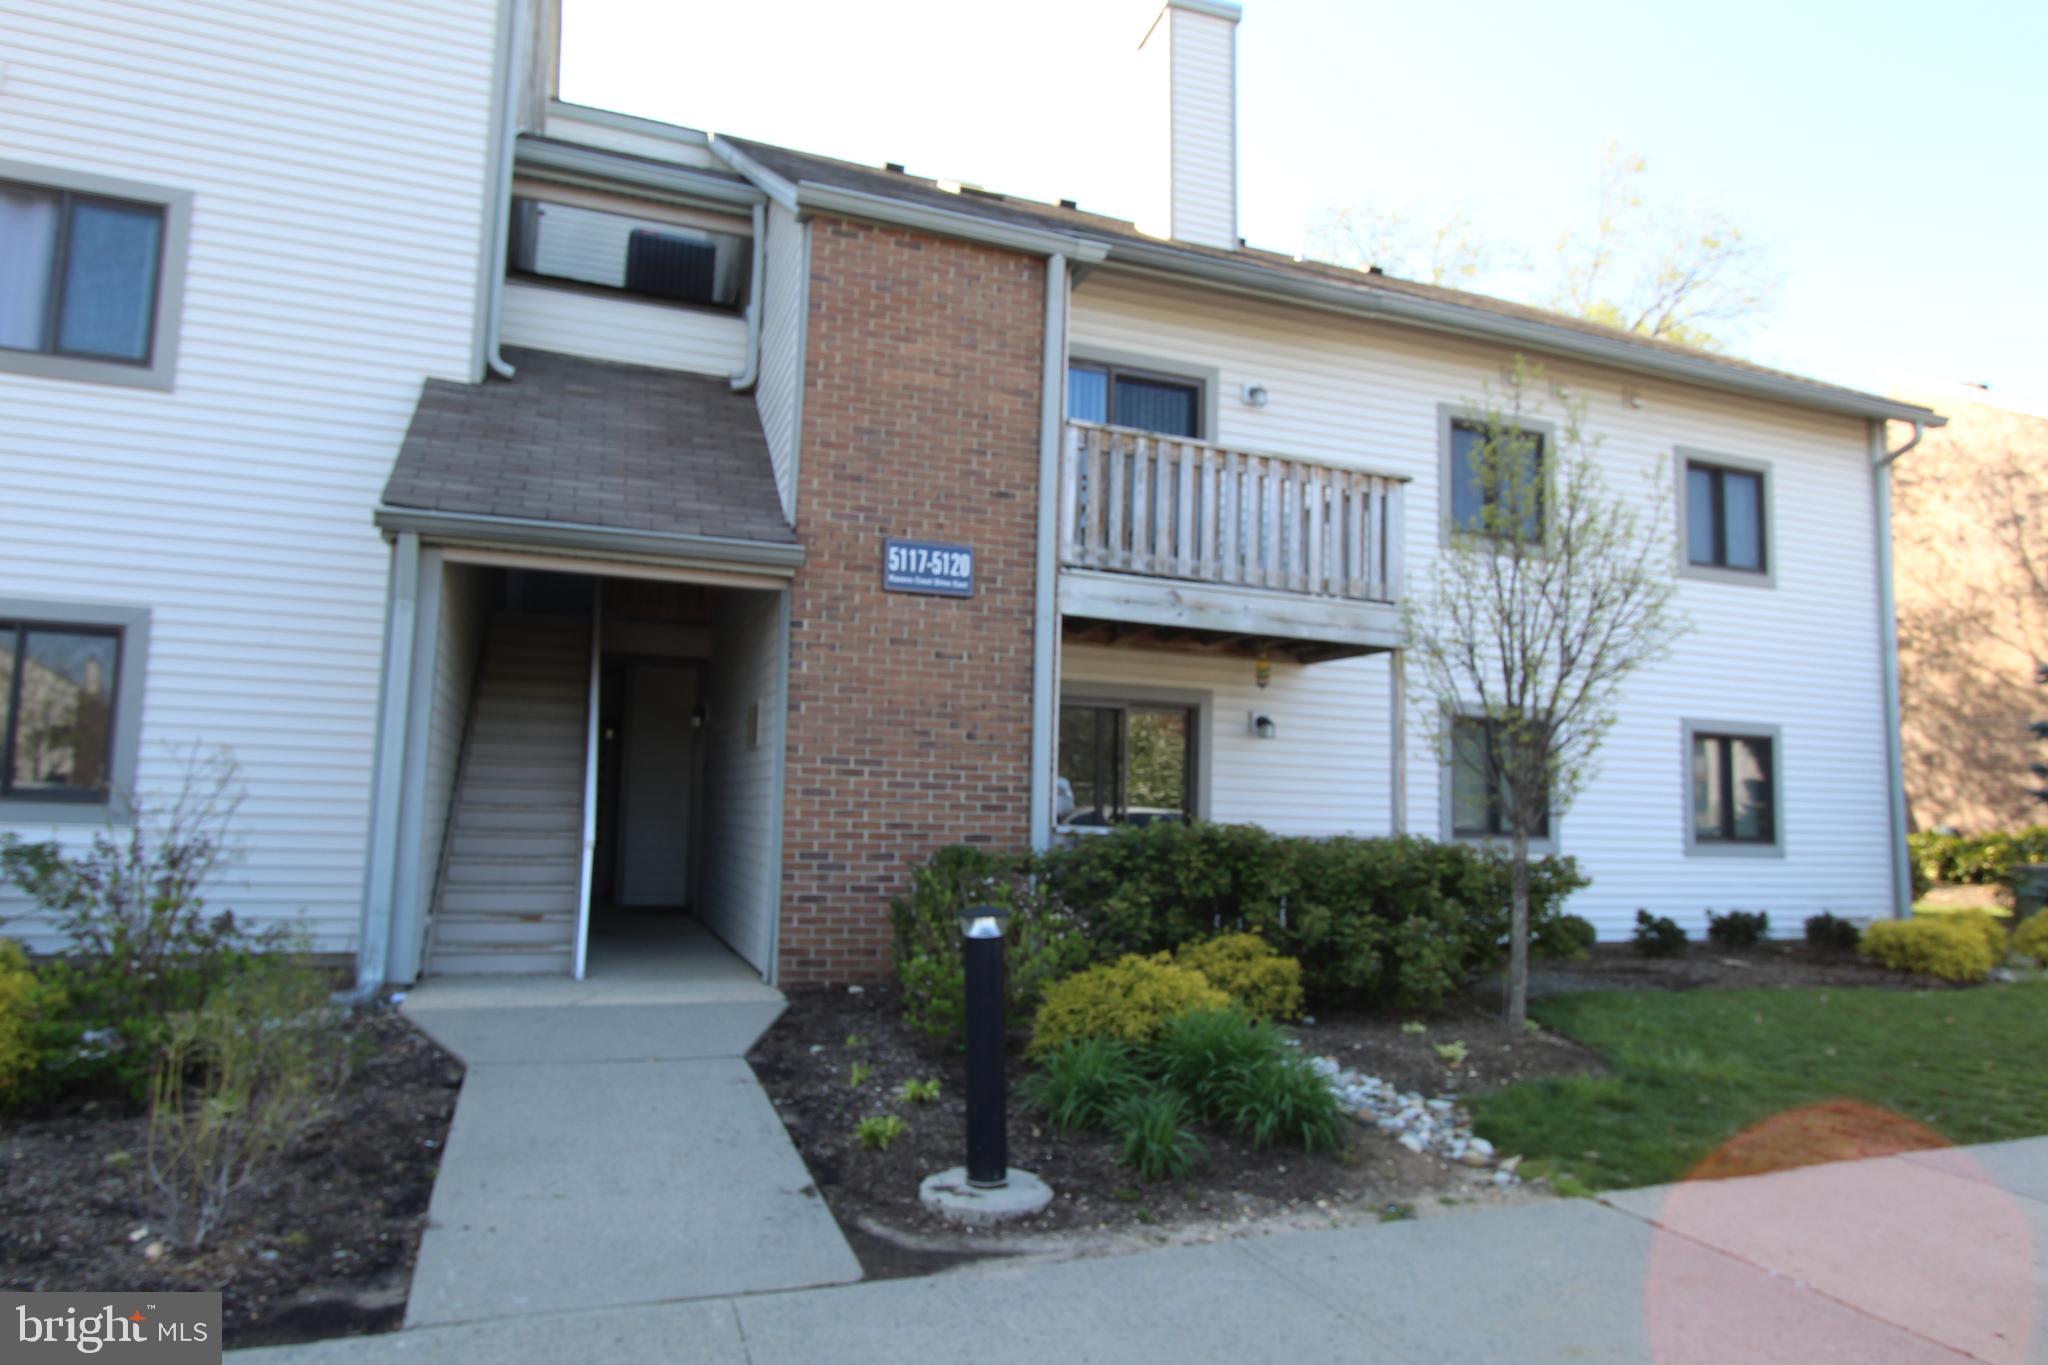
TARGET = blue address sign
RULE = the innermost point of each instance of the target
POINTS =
(926, 566)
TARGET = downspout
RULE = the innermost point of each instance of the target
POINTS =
(1046, 620)
(746, 378)
(373, 946)
(1888, 643)
(505, 145)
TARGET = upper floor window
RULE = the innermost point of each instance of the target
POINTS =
(643, 256)
(1724, 517)
(1489, 473)
(1132, 398)
(1125, 763)
(89, 276)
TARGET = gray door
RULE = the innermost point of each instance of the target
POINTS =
(654, 786)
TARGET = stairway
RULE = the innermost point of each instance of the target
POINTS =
(511, 870)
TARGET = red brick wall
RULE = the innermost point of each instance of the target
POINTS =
(910, 716)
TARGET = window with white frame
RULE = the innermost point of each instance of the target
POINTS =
(90, 276)
(653, 259)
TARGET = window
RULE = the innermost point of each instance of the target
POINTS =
(1734, 789)
(1126, 763)
(1723, 505)
(1131, 398)
(1470, 494)
(652, 259)
(1480, 805)
(57, 712)
(90, 273)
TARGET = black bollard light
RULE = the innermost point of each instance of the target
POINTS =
(988, 1139)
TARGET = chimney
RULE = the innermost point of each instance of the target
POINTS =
(1188, 103)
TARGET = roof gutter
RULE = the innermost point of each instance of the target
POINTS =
(1436, 315)
(598, 169)
(696, 551)
(947, 222)
(1881, 462)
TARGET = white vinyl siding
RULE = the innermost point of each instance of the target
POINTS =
(633, 331)
(740, 878)
(457, 649)
(779, 393)
(1204, 132)
(336, 160)
(1805, 656)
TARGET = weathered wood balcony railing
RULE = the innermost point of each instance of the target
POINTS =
(1140, 503)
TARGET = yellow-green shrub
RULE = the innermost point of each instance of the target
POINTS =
(1129, 1000)
(25, 1002)
(1989, 926)
(2031, 938)
(1250, 971)
(1934, 947)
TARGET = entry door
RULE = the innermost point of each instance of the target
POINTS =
(654, 795)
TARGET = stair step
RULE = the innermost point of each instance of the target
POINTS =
(515, 848)
(524, 962)
(458, 902)
(537, 820)
(504, 933)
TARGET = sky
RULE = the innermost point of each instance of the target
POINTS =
(1888, 158)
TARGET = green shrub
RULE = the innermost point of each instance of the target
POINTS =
(1980, 859)
(1080, 1084)
(1129, 1000)
(1932, 947)
(234, 1085)
(1738, 928)
(2030, 939)
(1831, 931)
(1658, 936)
(1281, 1099)
(143, 945)
(1402, 921)
(1042, 942)
(29, 1012)
(1568, 938)
(1986, 925)
(1246, 968)
(1153, 1138)
(1198, 1053)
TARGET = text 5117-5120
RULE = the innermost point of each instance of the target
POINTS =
(925, 566)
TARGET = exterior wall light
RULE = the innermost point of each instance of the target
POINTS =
(1255, 395)
(1263, 726)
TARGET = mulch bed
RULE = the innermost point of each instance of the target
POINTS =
(322, 1247)
(1704, 966)
(805, 1064)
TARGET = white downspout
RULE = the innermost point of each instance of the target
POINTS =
(1888, 642)
(501, 189)
(1046, 619)
(746, 378)
(373, 944)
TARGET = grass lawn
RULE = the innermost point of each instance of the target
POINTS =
(1836, 1072)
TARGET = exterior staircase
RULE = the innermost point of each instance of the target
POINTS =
(511, 865)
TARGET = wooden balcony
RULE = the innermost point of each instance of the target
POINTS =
(1182, 535)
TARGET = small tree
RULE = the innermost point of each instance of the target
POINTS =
(1539, 607)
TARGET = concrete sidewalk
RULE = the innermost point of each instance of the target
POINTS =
(1934, 1256)
(611, 1148)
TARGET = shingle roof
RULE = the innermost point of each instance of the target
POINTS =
(592, 443)
(799, 167)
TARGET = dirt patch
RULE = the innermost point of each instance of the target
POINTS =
(1619, 967)
(323, 1247)
(806, 1064)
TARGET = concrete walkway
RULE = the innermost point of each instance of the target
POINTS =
(1935, 1257)
(611, 1148)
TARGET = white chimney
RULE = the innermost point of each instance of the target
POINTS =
(1188, 100)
